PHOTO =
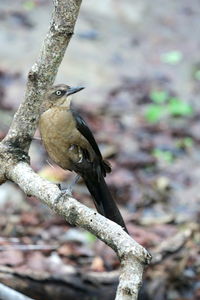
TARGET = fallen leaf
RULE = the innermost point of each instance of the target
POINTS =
(97, 264)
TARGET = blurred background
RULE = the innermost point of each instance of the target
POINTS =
(140, 63)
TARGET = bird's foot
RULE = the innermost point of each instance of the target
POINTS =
(67, 192)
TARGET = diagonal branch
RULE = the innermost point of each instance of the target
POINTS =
(133, 256)
(43, 72)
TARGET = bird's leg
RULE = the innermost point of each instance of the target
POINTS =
(69, 189)
(75, 154)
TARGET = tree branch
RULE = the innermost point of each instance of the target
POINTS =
(43, 72)
(133, 256)
(14, 157)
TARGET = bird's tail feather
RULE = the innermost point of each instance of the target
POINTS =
(103, 200)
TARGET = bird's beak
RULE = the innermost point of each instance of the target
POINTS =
(73, 90)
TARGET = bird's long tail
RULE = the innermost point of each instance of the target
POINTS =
(103, 200)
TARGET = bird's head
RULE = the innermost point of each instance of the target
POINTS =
(60, 95)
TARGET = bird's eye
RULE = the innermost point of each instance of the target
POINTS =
(58, 93)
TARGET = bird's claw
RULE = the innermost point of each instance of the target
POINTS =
(67, 192)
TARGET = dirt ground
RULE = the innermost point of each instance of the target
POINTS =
(140, 63)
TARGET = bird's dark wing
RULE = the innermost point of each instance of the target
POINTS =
(93, 173)
(86, 132)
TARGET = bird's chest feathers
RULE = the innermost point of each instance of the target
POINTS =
(58, 132)
(57, 124)
(61, 138)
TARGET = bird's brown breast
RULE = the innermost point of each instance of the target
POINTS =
(58, 131)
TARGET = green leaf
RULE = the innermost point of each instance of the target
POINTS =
(29, 5)
(172, 57)
(176, 107)
(186, 142)
(159, 96)
(90, 237)
(197, 75)
(163, 155)
(154, 113)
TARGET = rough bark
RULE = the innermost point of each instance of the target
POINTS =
(14, 155)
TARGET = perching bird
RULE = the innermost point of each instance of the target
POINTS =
(70, 144)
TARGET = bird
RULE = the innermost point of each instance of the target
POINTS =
(70, 143)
